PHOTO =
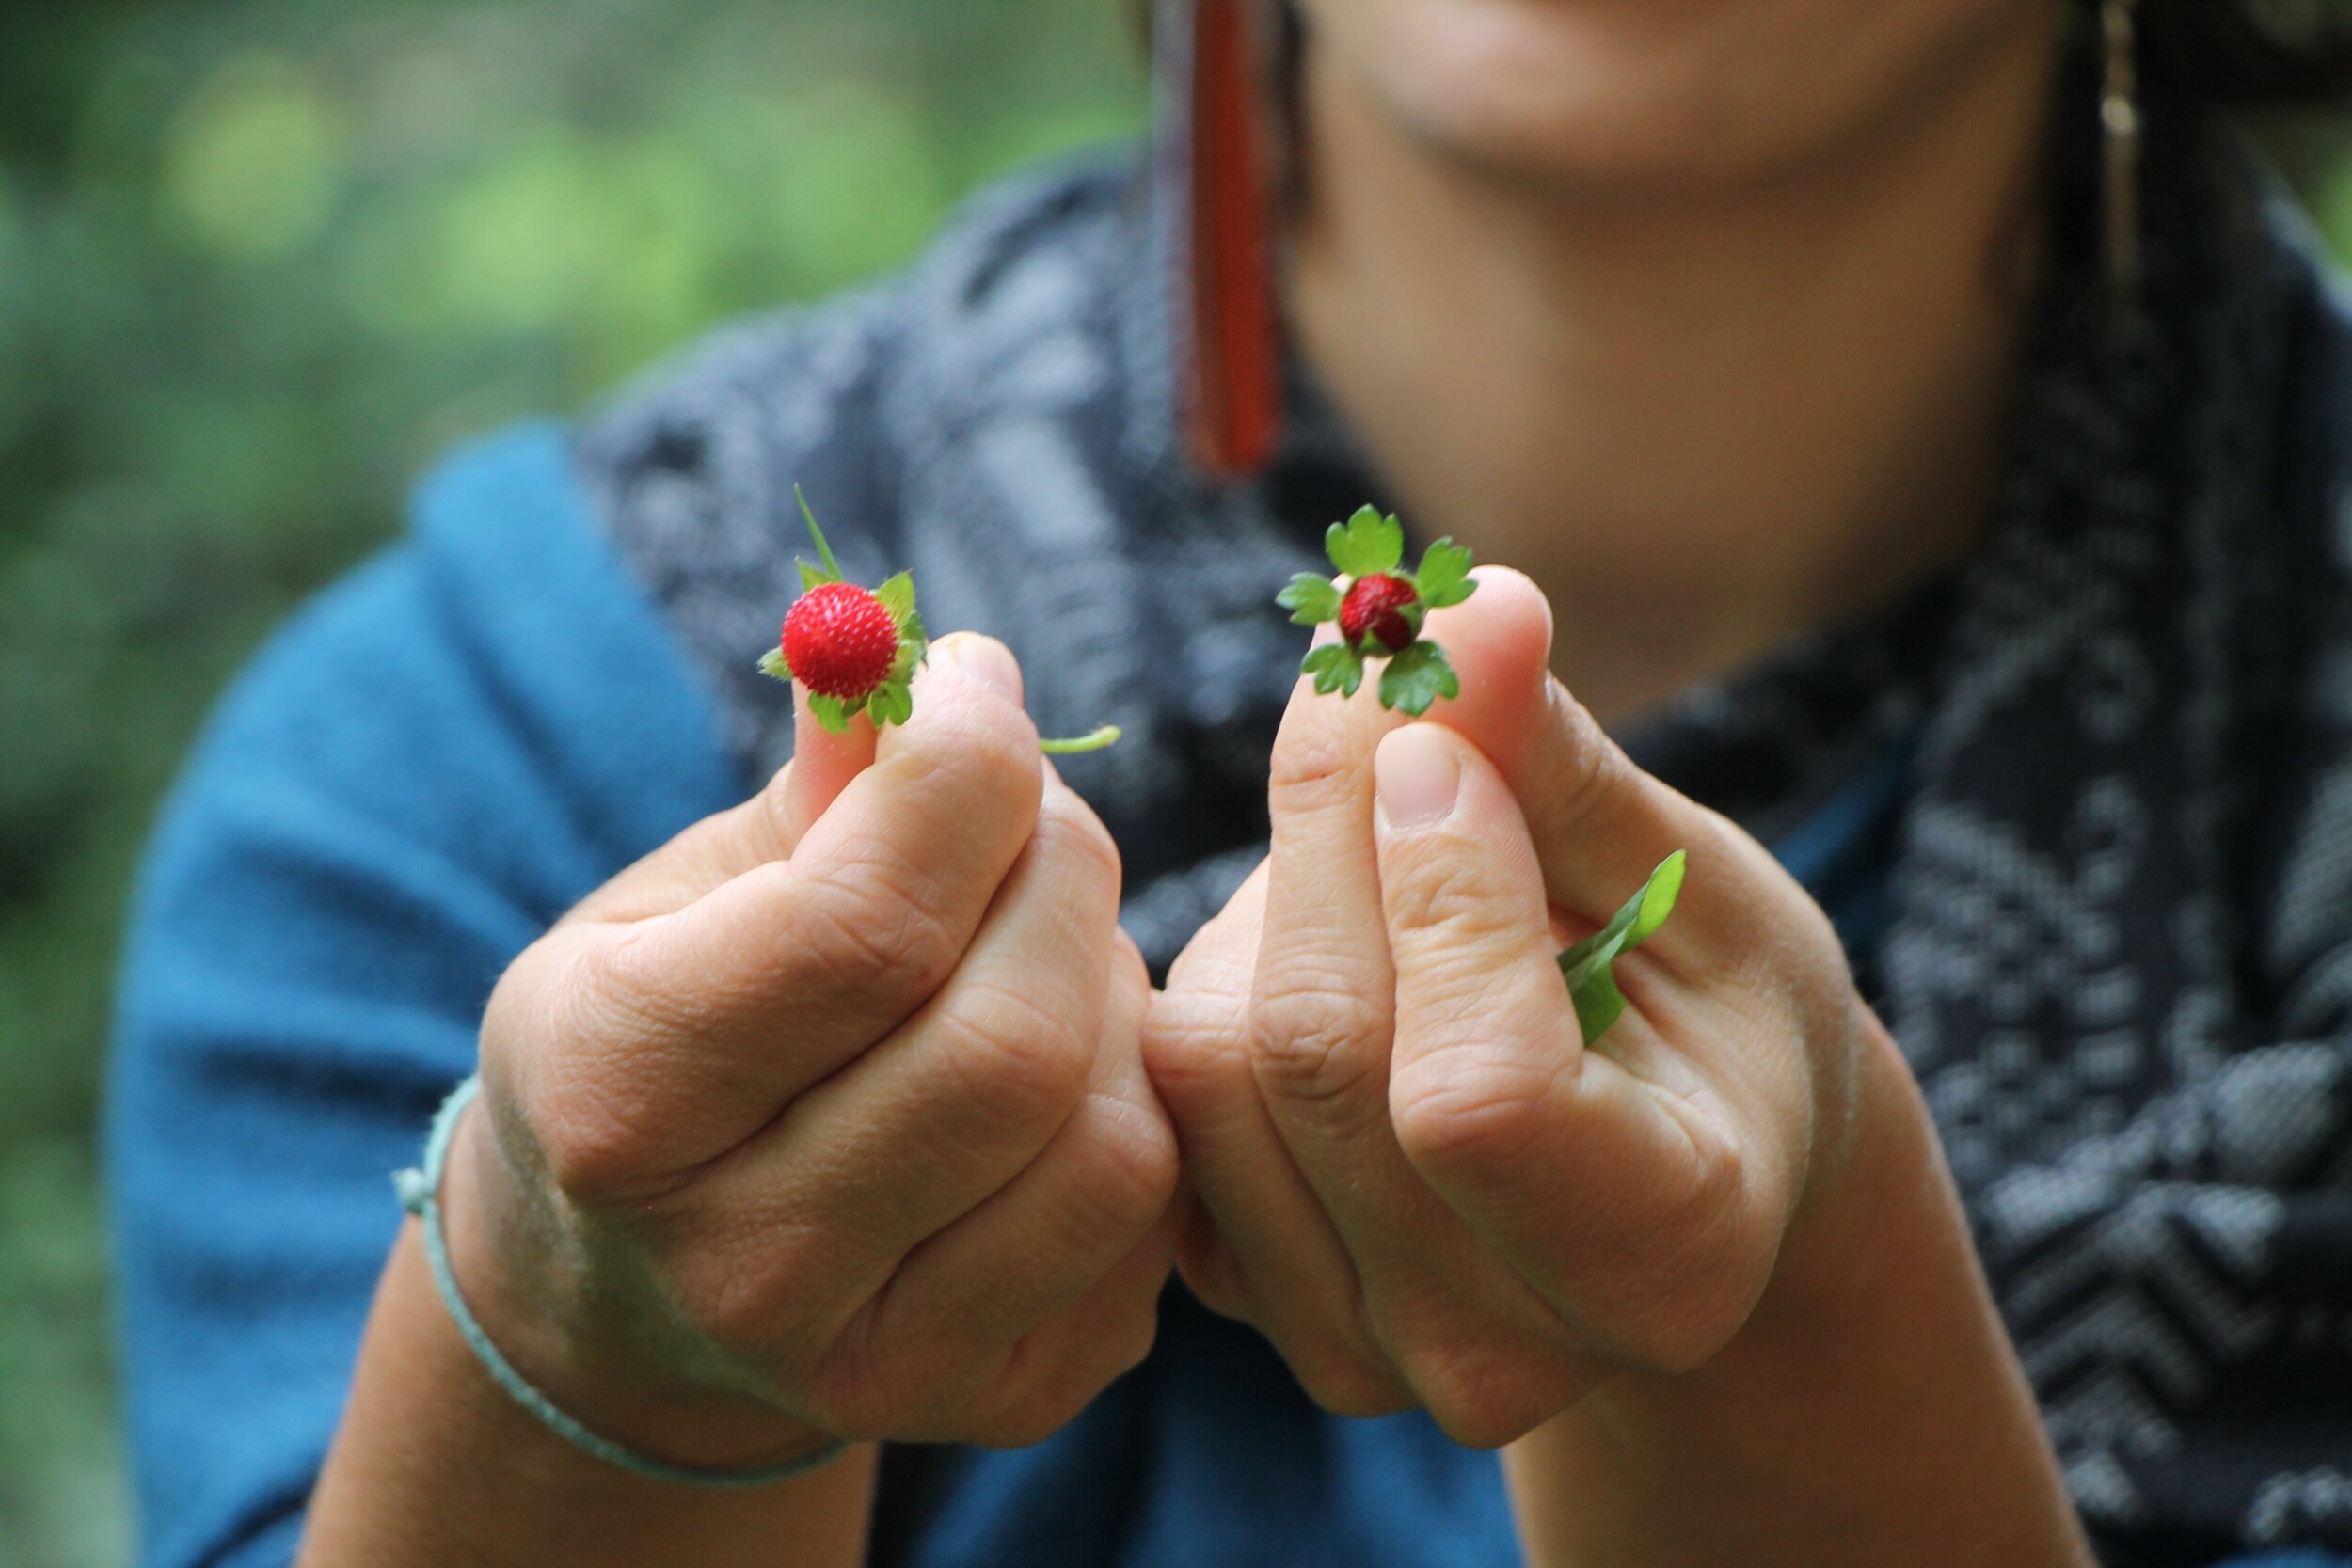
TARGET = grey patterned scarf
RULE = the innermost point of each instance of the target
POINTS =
(2120, 957)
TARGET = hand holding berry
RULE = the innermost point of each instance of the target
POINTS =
(1415, 1176)
(829, 1119)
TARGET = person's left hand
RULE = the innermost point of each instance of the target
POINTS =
(1414, 1177)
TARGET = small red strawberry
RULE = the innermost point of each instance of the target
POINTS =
(1380, 612)
(840, 640)
(856, 649)
(1373, 608)
(852, 650)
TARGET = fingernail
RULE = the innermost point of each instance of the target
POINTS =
(982, 659)
(1417, 777)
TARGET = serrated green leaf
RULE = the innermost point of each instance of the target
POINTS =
(1365, 543)
(773, 664)
(1336, 667)
(898, 597)
(1310, 599)
(1590, 966)
(1444, 576)
(1415, 678)
(831, 713)
(812, 576)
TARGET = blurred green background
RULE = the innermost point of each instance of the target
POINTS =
(260, 260)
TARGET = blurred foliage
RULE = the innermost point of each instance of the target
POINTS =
(260, 260)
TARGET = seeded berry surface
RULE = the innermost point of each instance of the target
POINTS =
(840, 640)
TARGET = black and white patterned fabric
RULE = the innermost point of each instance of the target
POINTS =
(2120, 956)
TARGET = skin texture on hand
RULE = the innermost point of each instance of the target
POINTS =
(1417, 1179)
(827, 1120)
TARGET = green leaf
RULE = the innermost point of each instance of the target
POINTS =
(1657, 900)
(831, 713)
(898, 597)
(1590, 966)
(819, 534)
(891, 703)
(1444, 576)
(773, 664)
(1336, 667)
(1366, 542)
(1417, 678)
(812, 576)
(1312, 600)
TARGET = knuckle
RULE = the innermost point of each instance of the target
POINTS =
(1194, 1049)
(1058, 1374)
(1317, 763)
(1007, 1050)
(1449, 893)
(1130, 1163)
(869, 936)
(973, 746)
(594, 1152)
(1484, 1392)
(1319, 1042)
(1346, 1382)
(1464, 1112)
(748, 1296)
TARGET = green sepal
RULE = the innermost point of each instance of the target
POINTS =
(1336, 667)
(1444, 576)
(1310, 599)
(1415, 678)
(890, 703)
(831, 713)
(1365, 543)
(1590, 966)
(775, 666)
(812, 576)
(898, 597)
(912, 651)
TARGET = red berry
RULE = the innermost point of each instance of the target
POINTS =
(1375, 608)
(840, 642)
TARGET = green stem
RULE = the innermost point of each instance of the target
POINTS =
(1102, 739)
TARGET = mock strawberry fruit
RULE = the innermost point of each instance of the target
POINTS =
(1375, 608)
(840, 640)
(1380, 612)
(854, 650)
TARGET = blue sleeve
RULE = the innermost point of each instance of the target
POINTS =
(418, 775)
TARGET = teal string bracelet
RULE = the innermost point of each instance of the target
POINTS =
(419, 1193)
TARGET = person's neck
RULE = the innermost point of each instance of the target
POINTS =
(1701, 421)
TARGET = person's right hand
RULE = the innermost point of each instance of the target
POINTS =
(828, 1119)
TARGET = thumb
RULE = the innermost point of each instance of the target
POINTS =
(1599, 824)
(1567, 1162)
(771, 823)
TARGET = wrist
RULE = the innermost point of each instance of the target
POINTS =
(591, 1337)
